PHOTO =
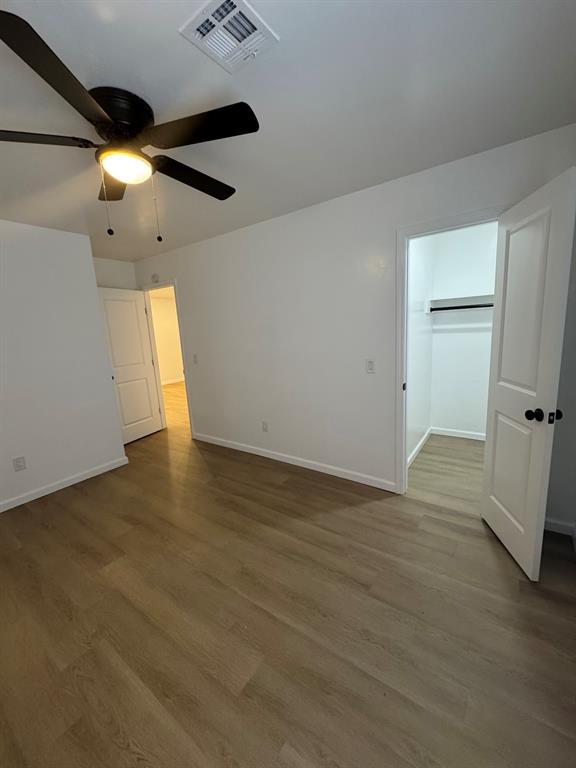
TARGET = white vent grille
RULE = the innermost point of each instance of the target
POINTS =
(230, 32)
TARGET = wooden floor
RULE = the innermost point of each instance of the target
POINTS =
(201, 608)
(448, 473)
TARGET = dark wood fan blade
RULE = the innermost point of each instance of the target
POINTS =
(46, 138)
(114, 189)
(29, 46)
(221, 123)
(191, 177)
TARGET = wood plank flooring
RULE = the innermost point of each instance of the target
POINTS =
(448, 472)
(202, 608)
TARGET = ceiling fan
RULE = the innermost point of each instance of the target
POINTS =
(124, 121)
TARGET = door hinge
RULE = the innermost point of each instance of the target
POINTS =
(153, 363)
(145, 310)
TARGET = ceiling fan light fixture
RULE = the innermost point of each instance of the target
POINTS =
(125, 165)
(125, 121)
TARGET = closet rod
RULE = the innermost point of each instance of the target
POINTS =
(460, 306)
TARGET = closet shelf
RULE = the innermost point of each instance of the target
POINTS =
(461, 302)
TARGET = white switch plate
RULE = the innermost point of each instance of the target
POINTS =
(370, 366)
(19, 463)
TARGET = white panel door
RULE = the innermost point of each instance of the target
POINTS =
(131, 358)
(535, 246)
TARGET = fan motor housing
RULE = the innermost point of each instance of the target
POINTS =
(130, 114)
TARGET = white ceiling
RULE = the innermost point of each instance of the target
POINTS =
(357, 92)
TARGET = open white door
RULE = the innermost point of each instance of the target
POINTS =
(535, 246)
(131, 357)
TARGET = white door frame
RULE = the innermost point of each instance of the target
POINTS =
(403, 236)
(155, 360)
(147, 288)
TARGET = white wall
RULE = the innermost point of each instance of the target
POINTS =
(448, 353)
(464, 265)
(167, 336)
(451, 364)
(561, 512)
(283, 314)
(465, 260)
(115, 274)
(420, 278)
(57, 402)
(460, 372)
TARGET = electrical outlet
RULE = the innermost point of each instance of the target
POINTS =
(195, 358)
(19, 463)
(370, 366)
(264, 426)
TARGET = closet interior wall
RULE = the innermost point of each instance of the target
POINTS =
(448, 360)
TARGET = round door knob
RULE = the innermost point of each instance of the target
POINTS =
(559, 414)
(536, 415)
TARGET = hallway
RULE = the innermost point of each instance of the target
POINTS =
(176, 407)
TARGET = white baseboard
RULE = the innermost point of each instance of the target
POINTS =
(172, 381)
(327, 469)
(421, 444)
(447, 433)
(458, 433)
(59, 484)
(560, 526)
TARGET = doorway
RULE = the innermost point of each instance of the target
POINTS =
(165, 332)
(450, 300)
(143, 334)
(535, 246)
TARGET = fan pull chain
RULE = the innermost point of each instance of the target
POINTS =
(158, 235)
(110, 231)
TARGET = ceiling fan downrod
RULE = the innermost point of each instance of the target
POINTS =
(155, 202)
(109, 231)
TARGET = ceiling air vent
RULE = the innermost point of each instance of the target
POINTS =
(230, 32)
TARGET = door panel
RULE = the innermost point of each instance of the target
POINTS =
(524, 280)
(131, 356)
(126, 344)
(535, 246)
(135, 401)
(510, 468)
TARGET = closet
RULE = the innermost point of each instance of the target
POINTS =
(449, 328)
